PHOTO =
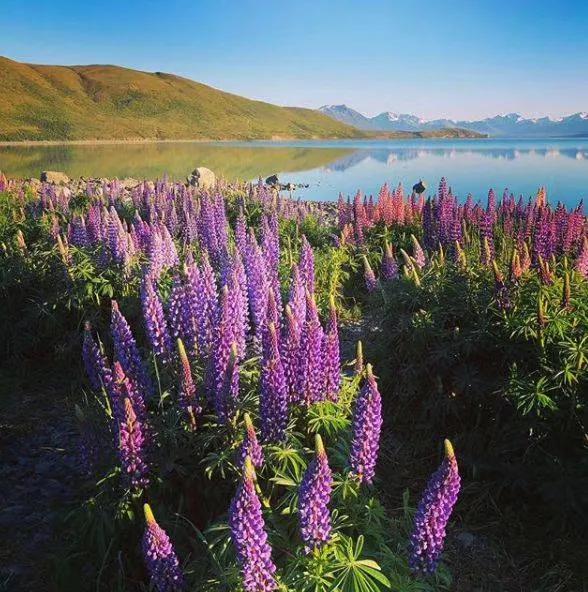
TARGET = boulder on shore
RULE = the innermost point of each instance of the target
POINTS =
(55, 177)
(273, 180)
(130, 183)
(202, 178)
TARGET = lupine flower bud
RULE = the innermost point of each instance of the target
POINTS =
(566, 292)
(541, 319)
(367, 424)
(371, 283)
(187, 389)
(249, 536)
(418, 254)
(358, 366)
(314, 498)
(433, 513)
(389, 264)
(250, 446)
(500, 290)
(132, 447)
(161, 560)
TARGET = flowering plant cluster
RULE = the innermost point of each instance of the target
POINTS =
(223, 400)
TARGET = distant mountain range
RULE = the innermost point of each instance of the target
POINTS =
(511, 125)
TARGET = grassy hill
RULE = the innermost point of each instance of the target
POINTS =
(110, 102)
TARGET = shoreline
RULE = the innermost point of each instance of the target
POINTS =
(277, 140)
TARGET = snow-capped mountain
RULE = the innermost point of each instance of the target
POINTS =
(512, 124)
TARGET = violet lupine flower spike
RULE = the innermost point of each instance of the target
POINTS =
(162, 562)
(273, 399)
(358, 365)
(95, 362)
(331, 353)
(433, 513)
(127, 352)
(250, 446)
(155, 321)
(311, 368)
(226, 398)
(371, 283)
(132, 445)
(367, 424)
(314, 498)
(249, 536)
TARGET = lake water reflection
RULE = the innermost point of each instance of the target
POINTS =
(330, 167)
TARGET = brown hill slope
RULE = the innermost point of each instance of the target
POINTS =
(110, 102)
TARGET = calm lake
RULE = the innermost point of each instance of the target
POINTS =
(330, 167)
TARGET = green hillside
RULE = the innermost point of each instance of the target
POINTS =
(110, 102)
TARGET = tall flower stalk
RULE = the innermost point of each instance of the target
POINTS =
(314, 498)
(249, 536)
(367, 424)
(433, 513)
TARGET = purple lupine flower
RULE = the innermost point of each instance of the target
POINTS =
(311, 364)
(187, 389)
(273, 398)
(132, 448)
(332, 355)
(249, 536)
(290, 355)
(155, 322)
(95, 362)
(221, 351)
(367, 424)
(371, 283)
(306, 265)
(389, 264)
(433, 513)
(314, 498)
(127, 352)
(250, 446)
(418, 255)
(226, 397)
(161, 559)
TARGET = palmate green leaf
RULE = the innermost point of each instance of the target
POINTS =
(327, 418)
(353, 574)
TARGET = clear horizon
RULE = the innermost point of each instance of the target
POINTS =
(453, 60)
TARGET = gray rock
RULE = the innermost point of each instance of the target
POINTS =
(55, 177)
(273, 180)
(202, 178)
(130, 183)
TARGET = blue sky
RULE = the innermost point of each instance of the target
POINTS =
(452, 59)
